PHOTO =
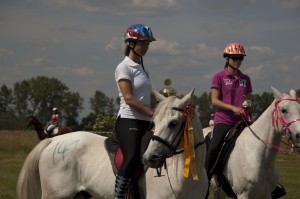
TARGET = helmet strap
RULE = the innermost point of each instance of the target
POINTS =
(227, 64)
(231, 66)
(132, 48)
(141, 57)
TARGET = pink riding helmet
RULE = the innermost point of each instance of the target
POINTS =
(234, 49)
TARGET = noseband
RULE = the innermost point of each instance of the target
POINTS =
(277, 116)
(171, 145)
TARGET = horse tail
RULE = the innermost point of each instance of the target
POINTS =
(29, 184)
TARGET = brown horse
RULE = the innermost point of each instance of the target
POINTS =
(40, 128)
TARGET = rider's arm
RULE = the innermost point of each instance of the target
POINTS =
(125, 87)
(215, 100)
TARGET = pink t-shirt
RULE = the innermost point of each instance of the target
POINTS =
(232, 90)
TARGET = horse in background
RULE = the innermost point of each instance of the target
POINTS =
(71, 165)
(41, 129)
(250, 169)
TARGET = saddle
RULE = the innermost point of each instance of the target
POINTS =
(116, 158)
(227, 147)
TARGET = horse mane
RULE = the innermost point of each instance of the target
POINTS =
(163, 107)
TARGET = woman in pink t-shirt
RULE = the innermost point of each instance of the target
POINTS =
(228, 89)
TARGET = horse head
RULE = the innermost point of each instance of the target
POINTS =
(31, 120)
(38, 126)
(286, 115)
(170, 118)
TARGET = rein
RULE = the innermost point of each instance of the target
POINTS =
(276, 116)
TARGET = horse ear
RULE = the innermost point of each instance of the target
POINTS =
(276, 93)
(187, 98)
(158, 96)
(293, 93)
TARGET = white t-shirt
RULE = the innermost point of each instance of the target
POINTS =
(141, 87)
(211, 122)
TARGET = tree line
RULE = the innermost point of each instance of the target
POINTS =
(37, 96)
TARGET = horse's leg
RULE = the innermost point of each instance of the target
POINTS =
(219, 194)
(217, 190)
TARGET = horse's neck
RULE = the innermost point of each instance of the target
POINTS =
(266, 135)
(39, 128)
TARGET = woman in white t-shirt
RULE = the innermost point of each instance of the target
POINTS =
(134, 116)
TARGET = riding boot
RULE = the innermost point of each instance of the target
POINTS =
(135, 188)
(121, 187)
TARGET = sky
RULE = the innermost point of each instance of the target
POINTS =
(80, 42)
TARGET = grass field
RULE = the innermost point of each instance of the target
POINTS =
(15, 145)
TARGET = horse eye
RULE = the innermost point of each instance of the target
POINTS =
(284, 110)
(173, 124)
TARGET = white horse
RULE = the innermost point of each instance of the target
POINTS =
(68, 165)
(250, 169)
(166, 148)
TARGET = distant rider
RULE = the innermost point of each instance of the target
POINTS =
(54, 121)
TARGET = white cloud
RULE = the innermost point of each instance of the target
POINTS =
(260, 50)
(232, 5)
(292, 3)
(83, 71)
(114, 44)
(39, 61)
(154, 3)
(118, 7)
(5, 52)
(165, 47)
(254, 71)
(296, 58)
(204, 51)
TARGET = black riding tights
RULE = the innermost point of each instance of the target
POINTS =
(129, 133)
(219, 133)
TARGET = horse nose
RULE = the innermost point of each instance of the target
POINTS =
(155, 157)
(154, 161)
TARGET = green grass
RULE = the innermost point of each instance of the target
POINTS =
(15, 146)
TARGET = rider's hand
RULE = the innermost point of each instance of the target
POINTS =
(237, 110)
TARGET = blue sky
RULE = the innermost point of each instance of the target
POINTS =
(80, 42)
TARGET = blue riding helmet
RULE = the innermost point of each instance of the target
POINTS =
(138, 32)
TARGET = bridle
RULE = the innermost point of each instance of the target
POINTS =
(186, 130)
(277, 116)
(173, 145)
(276, 119)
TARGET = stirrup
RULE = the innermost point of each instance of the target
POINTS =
(278, 192)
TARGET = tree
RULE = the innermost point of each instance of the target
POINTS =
(8, 119)
(39, 95)
(260, 103)
(6, 98)
(205, 108)
(101, 104)
(103, 123)
(72, 105)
